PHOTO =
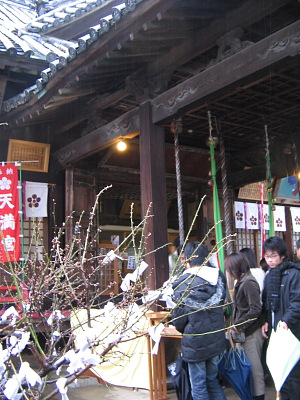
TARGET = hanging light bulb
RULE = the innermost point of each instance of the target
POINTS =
(121, 146)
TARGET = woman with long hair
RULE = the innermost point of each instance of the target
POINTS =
(247, 316)
(256, 270)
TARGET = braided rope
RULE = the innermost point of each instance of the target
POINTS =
(227, 222)
(178, 180)
(269, 177)
(269, 183)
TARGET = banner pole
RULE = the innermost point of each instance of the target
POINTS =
(216, 203)
(19, 164)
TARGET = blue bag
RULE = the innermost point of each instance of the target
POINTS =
(235, 367)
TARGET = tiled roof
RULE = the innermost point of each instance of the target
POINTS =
(14, 15)
(22, 33)
(63, 13)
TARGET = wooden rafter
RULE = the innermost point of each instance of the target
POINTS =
(125, 126)
(198, 43)
(252, 59)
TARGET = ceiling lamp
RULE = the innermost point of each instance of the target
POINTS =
(121, 146)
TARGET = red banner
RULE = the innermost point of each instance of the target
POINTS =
(9, 214)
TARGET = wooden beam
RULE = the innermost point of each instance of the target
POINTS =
(135, 171)
(69, 154)
(280, 168)
(199, 43)
(182, 148)
(189, 149)
(127, 126)
(109, 99)
(247, 176)
(153, 191)
(28, 65)
(252, 59)
(191, 13)
(82, 112)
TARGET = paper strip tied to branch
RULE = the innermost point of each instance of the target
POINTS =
(62, 388)
(110, 257)
(79, 359)
(26, 374)
(151, 296)
(167, 293)
(155, 334)
(12, 387)
(18, 341)
(10, 312)
(55, 316)
(133, 277)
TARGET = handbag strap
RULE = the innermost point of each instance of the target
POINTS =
(230, 338)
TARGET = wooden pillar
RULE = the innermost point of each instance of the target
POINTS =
(69, 203)
(153, 190)
(3, 81)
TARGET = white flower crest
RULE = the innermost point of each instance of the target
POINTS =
(5, 183)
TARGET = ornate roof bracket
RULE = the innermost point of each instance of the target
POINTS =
(229, 44)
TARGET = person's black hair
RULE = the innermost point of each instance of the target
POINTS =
(177, 242)
(264, 265)
(249, 254)
(236, 264)
(276, 243)
(298, 244)
(196, 253)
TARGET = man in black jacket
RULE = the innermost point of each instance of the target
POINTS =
(281, 302)
(298, 251)
(199, 293)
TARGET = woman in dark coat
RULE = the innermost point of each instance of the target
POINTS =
(247, 316)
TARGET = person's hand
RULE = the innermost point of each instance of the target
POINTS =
(284, 325)
(234, 329)
(264, 330)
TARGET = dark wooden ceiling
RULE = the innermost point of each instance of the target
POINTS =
(152, 50)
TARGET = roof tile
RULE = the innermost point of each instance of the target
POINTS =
(27, 38)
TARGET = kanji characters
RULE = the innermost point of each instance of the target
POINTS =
(6, 200)
(7, 221)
